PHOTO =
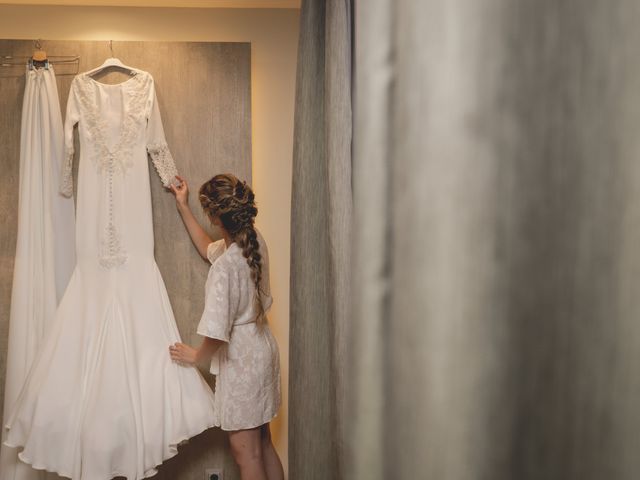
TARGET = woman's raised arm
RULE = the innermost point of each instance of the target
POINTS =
(199, 237)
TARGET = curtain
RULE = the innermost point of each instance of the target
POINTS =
(320, 241)
(496, 241)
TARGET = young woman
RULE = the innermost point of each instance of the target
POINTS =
(243, 353)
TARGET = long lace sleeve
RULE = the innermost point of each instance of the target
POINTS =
(157, 144)
(71, 118)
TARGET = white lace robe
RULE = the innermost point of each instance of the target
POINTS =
(248, 365)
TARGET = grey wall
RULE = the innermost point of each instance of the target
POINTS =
(205, 101)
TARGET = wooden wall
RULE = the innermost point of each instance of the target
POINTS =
(204, 92)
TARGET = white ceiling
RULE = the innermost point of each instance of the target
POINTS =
(167, 3)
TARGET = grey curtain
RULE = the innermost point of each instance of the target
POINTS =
(497, 240)
(320, 241)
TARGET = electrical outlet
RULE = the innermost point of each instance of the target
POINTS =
(213, 474)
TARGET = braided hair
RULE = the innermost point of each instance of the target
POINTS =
(232, 201)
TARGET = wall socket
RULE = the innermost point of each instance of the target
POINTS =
(213, 474)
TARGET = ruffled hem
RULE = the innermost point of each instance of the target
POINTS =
(173, 449)
(173, 402)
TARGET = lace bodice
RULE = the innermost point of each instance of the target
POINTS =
(135, 117)
(142, 112)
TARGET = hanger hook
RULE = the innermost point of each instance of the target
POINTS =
(38, 45)
(111, 46)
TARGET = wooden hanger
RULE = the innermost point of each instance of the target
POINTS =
(39, 57)
(113, 62)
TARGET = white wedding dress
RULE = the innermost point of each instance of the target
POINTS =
(104, 398)
(45, 248)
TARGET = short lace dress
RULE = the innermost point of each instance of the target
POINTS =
(247, 392)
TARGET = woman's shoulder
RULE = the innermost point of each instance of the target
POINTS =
(232, 258)
(227, 258)
(215, 250)
(227, 266)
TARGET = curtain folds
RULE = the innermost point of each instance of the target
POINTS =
(45, 247)
(493, 262)
(497, 224)
(320, 241)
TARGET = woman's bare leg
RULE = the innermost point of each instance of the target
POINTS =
(272, 463)
(246, 447)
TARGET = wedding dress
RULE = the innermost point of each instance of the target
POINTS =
(104, 398)
(44, 247)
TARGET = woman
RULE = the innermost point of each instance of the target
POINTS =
(237, 340)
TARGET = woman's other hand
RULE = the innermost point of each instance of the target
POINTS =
(180, 191)
(183, 353)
